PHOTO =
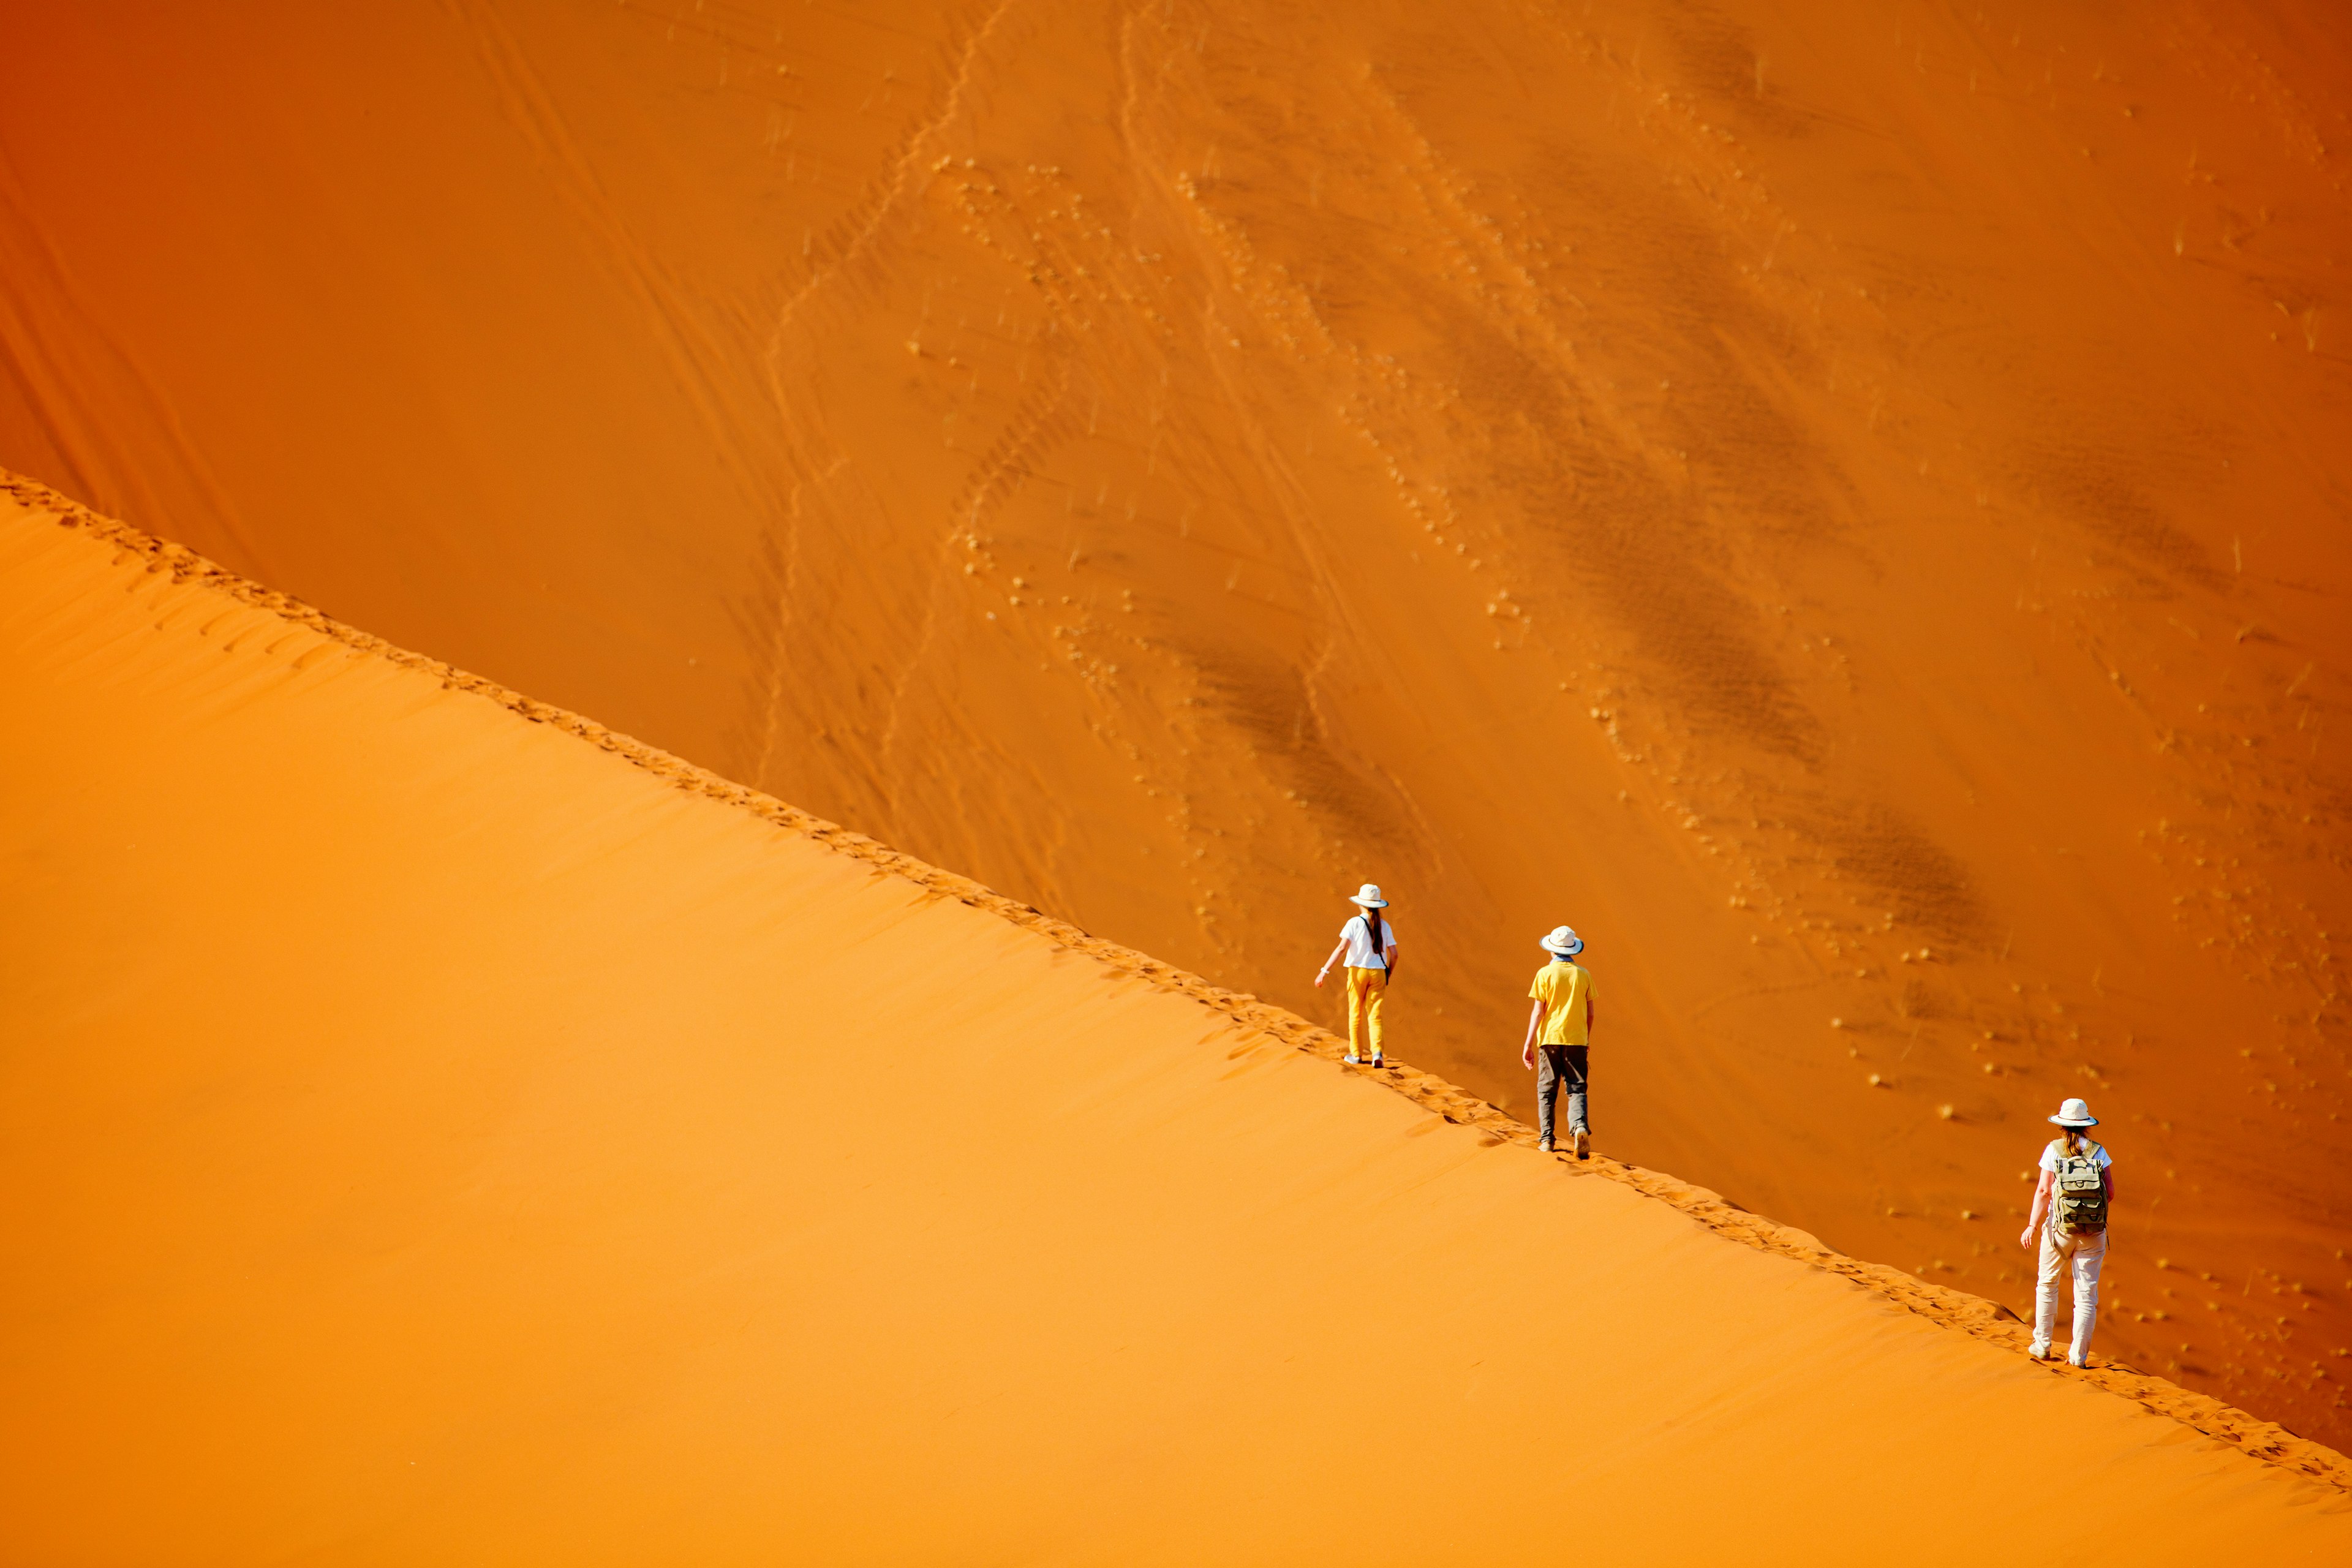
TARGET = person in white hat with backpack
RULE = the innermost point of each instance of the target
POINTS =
(2076, 1191)
(1559, 1025)
(1368, 944)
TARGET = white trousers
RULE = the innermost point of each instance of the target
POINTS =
(2085, 1253)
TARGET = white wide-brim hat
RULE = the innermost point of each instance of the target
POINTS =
(2074, 1113)
(1562, 940)
(1368, 895)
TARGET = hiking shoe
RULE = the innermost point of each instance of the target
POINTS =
(1352, 1059)
(2038, 1351)
(1380, 1061)
(1544, 1145)
(2083, 1362)
(1583, 1144)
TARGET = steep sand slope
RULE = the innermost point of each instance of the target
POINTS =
(430, 1137)
(1844, 502)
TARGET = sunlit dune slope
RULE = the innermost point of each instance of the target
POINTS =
(432, 1135)
(1845, 504)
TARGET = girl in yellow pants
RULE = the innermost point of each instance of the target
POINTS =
(1365, 989)
(1368, 943)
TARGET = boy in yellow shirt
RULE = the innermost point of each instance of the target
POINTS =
(1561, 1023)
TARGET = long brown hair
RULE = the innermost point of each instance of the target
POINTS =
(2075, 1139)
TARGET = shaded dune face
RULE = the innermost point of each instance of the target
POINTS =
(1844, 507)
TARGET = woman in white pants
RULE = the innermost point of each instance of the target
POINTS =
(2076, 1190)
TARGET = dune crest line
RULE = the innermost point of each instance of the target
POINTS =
(1951, 1309)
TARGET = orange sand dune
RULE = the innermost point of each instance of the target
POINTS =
(430, 1137)
(1844, 502)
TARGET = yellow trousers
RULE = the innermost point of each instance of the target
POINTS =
(1366, 987)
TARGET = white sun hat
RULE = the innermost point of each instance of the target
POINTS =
(1368, 895)
(2076, 1114)
(1562, 940)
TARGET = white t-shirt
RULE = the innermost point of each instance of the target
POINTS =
(2050, 1155)
(1357, 935)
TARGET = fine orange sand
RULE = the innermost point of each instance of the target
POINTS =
(1843, 503)
(436, 1135)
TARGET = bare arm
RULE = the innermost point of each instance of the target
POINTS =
(2040, 1204)
(1324, 972)
(1534, 1021)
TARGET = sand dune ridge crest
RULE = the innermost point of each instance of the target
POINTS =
(1973, 1315)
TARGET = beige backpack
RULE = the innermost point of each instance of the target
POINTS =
(2078, 1202)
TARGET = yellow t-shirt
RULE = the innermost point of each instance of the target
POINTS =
(1565, 988)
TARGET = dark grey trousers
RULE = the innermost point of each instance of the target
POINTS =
(1559, 1068)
